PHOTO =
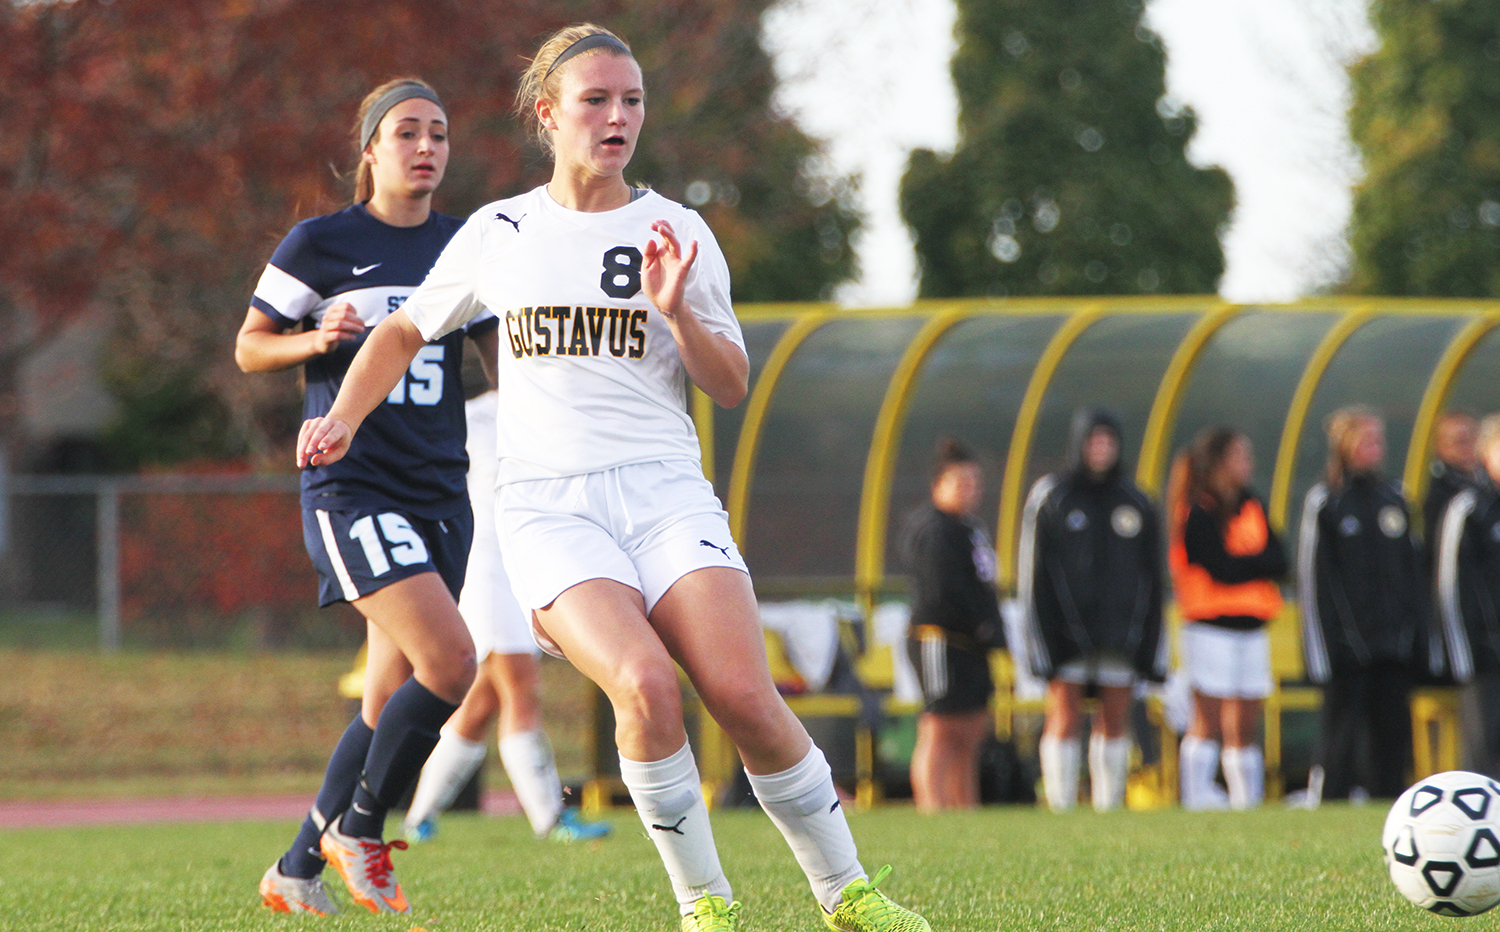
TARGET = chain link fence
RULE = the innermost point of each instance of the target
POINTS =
(166, 561)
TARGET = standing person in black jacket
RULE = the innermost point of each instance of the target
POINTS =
(1454, 470)
(955, 617)
(1364, 598)
(1468, 572)
(1090, 574)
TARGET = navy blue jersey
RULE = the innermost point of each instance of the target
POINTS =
(409, 452)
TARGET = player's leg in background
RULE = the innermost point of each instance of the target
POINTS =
(1338, 734)
(945, 762)
(1244, 763)
(458, 754)
(1061, 755)
(1109, 748)
(601, 627)
(524, 748)
(1390, 730)
(1198, 756)
(420, 617)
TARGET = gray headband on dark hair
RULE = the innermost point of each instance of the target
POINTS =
(389, 99)
(598, 40)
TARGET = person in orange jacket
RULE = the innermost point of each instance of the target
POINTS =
(1225, 561)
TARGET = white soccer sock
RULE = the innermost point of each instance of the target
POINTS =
(669, 799)
(1109, 769)
(1245, 772)
(451, 764)
(1197, 760)
(527, 756)
(1061, 759)
(803, 803)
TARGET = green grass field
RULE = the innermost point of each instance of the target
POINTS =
(998, 869)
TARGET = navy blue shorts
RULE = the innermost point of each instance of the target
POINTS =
(363, 551)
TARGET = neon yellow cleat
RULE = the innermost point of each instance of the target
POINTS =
(712, 914)
(866, 909)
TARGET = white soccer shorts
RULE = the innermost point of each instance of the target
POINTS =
(645, 525)
(1227, 664)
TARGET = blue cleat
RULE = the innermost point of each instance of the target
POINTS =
(571, 826)
(425, 830)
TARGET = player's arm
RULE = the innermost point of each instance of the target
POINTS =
(377, 367)
(713, 361)
(488, 344)
(262, 346)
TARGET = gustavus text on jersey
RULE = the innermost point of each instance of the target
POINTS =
(577, 331)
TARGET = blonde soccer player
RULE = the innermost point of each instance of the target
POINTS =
(612, 297)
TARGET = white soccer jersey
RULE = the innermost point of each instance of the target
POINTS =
(592, 379)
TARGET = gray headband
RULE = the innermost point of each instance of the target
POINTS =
(389, 99)
(597, 40)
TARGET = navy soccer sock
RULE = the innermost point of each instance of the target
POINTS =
(404, 737)
(339, 780)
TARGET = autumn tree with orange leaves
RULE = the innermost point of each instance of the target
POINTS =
(157, 150)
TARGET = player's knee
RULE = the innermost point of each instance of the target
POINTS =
(451, 672)
(644, 692)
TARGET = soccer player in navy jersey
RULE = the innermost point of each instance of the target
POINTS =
(388, 527)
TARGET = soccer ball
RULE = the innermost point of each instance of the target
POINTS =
(1442, 843)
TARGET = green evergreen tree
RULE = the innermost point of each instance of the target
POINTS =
(1069, 176)
(1426, 116)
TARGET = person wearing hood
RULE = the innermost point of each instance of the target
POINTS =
(1468, 586)
(1362, 588)
(1090, 578)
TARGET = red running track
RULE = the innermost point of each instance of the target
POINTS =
(59, 814)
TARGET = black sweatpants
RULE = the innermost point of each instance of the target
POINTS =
(1479, 720)
(1366, 736)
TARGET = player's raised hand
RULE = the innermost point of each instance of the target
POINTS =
(665, 271)
(340, 322)
(322, 440)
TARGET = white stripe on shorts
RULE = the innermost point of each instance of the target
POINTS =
(935, 666)
(331, 544)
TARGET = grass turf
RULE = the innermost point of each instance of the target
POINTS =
(998, 869)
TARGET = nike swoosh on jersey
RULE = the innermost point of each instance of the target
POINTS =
(361, 271)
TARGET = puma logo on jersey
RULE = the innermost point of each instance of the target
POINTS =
(577, 331)
(360, 271)
(515, 223)
(723, 550)
(671, 828)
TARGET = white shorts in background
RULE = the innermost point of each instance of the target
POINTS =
(496, 621)
(1227, 664)
(645, 525)
(1101, 669)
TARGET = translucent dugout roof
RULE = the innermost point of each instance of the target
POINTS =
(845, 399)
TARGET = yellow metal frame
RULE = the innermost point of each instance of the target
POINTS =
(755, 416)
(1439, 384)
(1020, 440)
(1307, 387)
(885, 441)
(1152, 463)
(703, 422)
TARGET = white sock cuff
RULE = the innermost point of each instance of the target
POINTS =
(528, 743)
(669, 771)
(458, 742)
(795, 782)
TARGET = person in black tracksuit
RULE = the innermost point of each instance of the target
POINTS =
(955, 618)
(1455, 469)
(1468, 584)
(1090, 575)
(1362, 586)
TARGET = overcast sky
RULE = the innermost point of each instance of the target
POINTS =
(1266, 78)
